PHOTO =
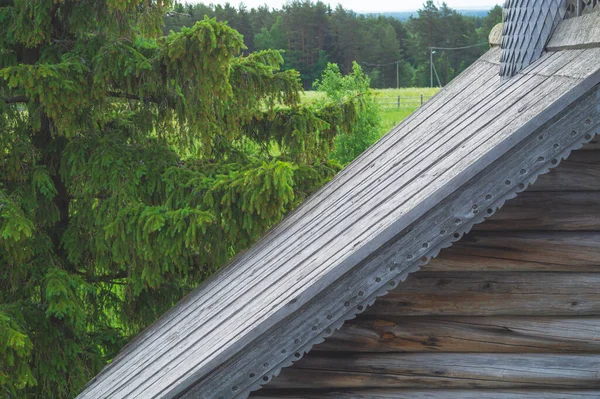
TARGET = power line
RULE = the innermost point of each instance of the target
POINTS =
(431, 48)
(459, 48)
(378, 65)
(431, 52)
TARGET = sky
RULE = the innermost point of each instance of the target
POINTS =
(363, 5)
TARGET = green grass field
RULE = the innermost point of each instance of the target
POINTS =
(391, 115)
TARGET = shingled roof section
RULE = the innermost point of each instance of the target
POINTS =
(528, 25)
(420, 188)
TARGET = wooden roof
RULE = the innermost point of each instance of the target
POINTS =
(420, 188)
(528, 25)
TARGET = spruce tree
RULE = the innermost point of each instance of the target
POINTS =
(132, 166)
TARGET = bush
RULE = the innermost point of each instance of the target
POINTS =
(338, 88)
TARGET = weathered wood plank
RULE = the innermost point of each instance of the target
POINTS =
(314, 252)
(592, 145)
(466, 334)
(579, 68)
(581, 32)
(292, 273)
(295, 330)
(449, 371)
(558, 251)
(492, 294)
(423, 394)
(566, 211)
(222, 290)
(581, 172)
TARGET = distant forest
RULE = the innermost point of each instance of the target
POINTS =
(392, 52)
(405, 15)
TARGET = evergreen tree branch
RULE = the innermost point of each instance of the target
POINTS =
(15, 100)
(24, 99)
(6, 3)
(132, 97)
(108, 278)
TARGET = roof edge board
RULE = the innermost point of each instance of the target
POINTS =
(224, 271)
(146, 336)
(576, 33)
(325, 327)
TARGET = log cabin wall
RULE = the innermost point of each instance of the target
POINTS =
(511, 311)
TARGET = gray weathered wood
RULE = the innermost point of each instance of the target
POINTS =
(562, 211)
(281, 279)
(323, 305)
(581, 172)
(423, 394)
(581, 32)
(528, 26)
(524, 251)
(448, 370)
(493, 294)
(222, 289)
(593, 145)
(465, 334)
(259, 350)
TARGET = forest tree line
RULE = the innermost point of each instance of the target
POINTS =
(393, 53)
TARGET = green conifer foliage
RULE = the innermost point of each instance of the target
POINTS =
(132, 166)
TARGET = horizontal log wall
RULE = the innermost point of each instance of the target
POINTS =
(430, 394)
(510, 311)
(493, 294)
(433, 370)
(523, 251)
(503, 334)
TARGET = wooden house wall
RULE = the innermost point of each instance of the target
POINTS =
(511, 311)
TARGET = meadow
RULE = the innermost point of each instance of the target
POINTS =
(391, 113)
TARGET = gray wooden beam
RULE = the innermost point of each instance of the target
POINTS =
(453, 216)
(582, 32)
(465, 334)
(443, 371)
(428, 394)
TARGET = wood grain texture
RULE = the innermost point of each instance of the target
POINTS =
(581, 172)
(493, 294)
(466, 334)
(424, 394)
(250, 310)
(442, 371)
(521, 251)
(592, 145)
(364, 276)
(388, 333)
(537, 211)
(581, 32)
(313, 316)
(528, 26)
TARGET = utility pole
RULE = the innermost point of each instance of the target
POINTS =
(431, 65)
(397, 74)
